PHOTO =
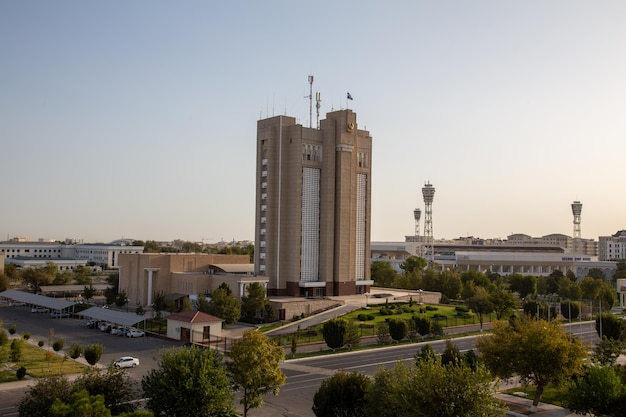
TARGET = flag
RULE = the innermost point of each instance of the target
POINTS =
(350, 96)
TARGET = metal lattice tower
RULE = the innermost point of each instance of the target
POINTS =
(428, 191)
(417, 214)
(577, 208)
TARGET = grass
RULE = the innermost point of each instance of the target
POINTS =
(551, 394)
(39, 363)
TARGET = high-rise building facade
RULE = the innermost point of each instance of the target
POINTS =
(313, 206)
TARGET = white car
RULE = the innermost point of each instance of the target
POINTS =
(59, 314)
(39, 310)
(126, 362)
(135, 333)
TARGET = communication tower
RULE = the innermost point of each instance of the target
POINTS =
(417, 214)
(428, 191)
(577, 208)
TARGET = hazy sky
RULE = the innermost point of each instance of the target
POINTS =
(137, 119)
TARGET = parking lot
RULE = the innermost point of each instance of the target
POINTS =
(41, 325)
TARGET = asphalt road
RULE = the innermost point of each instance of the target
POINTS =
(304, 376)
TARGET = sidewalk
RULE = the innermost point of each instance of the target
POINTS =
(520, 407)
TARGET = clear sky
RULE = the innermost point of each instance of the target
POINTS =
(137, 119)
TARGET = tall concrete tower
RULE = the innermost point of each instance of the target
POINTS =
(428, 191)
(577, 208)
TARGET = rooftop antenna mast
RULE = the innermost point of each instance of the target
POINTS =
(310, 97)
(318, 100)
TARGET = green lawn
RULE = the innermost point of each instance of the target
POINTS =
(551, 394)
(39, 362)
(369, 318)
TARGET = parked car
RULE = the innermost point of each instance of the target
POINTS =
(92, 324)
(126, 362)
(105, 327)
(59, 314)
(122, 331)
(17, 304)
(39, 310)
(135, 333)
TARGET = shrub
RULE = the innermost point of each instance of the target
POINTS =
(386, 311)
(93, 353)
(58, 345)
(364, 317)
(41, 343)
(431, 308)
(462, 309)
(20, 373)
(382, 333)
(26, 336)
(75, 350)
(12, 328)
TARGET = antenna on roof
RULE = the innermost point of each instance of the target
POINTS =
(310, 97)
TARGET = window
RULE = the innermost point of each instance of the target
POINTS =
(311, 152)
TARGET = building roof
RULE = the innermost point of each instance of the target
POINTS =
(112, 316)
(235, 268)
(37, 300)
(193, 316)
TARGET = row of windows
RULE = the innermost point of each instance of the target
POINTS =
(362, 160)
(34, 250)
(311, 152)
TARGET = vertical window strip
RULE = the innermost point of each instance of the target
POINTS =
(309, 256)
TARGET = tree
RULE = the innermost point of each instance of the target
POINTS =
(75, 350)
(4, 282)
(450, 284)
(413, 264)
(383, 273)
(333, 332)
(254, 303)
(17, 350)
(189, 382)
(538, 352)
(570, 310)
(426, 353)
(429, 388)
(503, 302)
(607, 351)
(598, 392)
(202, 304)
(159, 303)
(35, 278)
(122, 299)
(89, 292)
(352, 336)
(523, 285)
(81, 404)
(451, 354)
(481, 304)
(93, 353)
(40, 397)
(423, 325)
(225, 305)
(570, 290)
(596, 273)
(110, 293)
(343, 394)
(397, 329)
(255, 368)
(609, 325)
(115, 386)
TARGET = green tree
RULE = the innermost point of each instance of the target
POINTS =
(12, 272)
(81, 405)
(538, 352)
(110, 293)
(17, 350)
(35, 278)
(413, 264)
(159, 303)
(523, 285)
(88, 292)
(503, 301)
(115, 386)
(352, 336)
(481, 304)
(202, 304)
(451, 354)
(570, 290)
(570, 309)
(39, 398)
(75, 350)
(343, 395)
(397, 329)
(334, 331)
(597, 273)
(187, 383)
(255, 368)
(423, 325)
(609, 325)
(253, 304)
(599, 392)
(383, 274)
(122, 299)
(93, 353)
(450, 284)
(426, 353)
(429, 388)
(607, 351)
(225, 305)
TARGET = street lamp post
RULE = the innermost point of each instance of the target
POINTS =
(367, 297)
(420, 296)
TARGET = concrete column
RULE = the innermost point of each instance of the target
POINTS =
(150, 276)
